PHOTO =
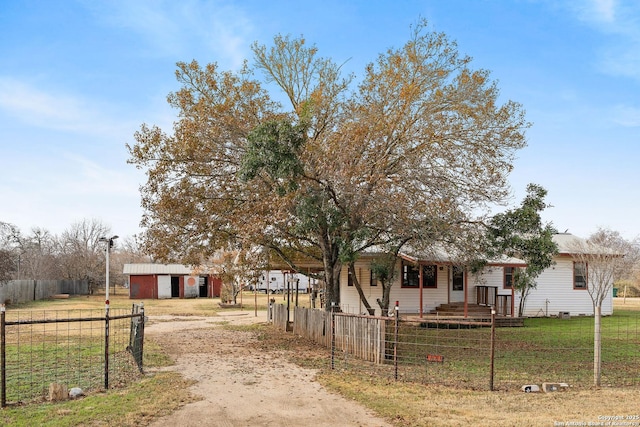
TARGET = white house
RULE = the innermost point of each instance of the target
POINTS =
(562, 287)
(423, 286)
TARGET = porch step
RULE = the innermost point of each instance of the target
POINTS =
(457, 309)
(475, 313)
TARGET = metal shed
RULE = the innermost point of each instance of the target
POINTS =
(154, 281)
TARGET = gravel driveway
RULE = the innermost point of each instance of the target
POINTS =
(241, 385)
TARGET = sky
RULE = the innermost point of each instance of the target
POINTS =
(79, 77)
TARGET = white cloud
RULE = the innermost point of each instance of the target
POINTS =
(76, 188)
(605, 9)
(177, 28)
(595, 12)
(91, 177)
(57, 111)
(626, 116)
(620, 21)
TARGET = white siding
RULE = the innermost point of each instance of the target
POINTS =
(349, 298)
(554, 293)
(409, 298)
(490, 276)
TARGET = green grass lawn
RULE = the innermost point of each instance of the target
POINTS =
(544, 350)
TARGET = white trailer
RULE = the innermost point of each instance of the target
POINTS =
(278, 281)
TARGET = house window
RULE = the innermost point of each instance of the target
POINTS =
(373, 279)
(509, 273)
(411, 276)
(349, 278)
(458, 279)
(579, 275)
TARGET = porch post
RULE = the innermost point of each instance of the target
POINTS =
(466, 299)
(420, 286)
(513, 302)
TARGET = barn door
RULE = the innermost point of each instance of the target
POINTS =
(164, 286)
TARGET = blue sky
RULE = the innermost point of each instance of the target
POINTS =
(79, 77)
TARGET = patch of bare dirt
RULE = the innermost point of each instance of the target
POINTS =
(242, 384)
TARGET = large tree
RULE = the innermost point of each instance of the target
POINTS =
(82, 254)
(419, 148)
(27, 256)
(9, 253)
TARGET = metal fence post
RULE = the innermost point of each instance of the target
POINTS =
(396, 316)
(3, 354)
(142, 321)
(333, 334)
(493, 346)
(106, 349)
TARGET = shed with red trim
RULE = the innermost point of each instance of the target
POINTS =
(157, 281)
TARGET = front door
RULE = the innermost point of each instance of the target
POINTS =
(456, 287)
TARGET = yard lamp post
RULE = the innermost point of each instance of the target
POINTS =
(109, 242)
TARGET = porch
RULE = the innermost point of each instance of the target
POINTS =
(487, 298)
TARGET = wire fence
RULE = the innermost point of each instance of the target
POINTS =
(475, 354)
(88, 349)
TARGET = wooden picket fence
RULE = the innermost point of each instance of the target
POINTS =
(279, 316)
(313, 324)
(363, 337)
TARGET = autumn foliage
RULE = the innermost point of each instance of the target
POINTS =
(414, 151)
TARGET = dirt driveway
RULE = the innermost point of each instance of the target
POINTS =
(241, 385)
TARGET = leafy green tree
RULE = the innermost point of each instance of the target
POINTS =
(521, 233)
(415, 152)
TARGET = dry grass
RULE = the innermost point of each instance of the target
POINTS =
(407, 404)
(626, 304)
(158, 307)
(404, 404)
(410, 404)
(419, 405)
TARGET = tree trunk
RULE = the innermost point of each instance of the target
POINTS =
(332, 269)
(387, 282)
(524, 293)
(597, 346)
(386, 291)
(358, 286)
(332, 274)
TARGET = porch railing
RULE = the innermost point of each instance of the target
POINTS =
(503, 306)
(488, 296)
